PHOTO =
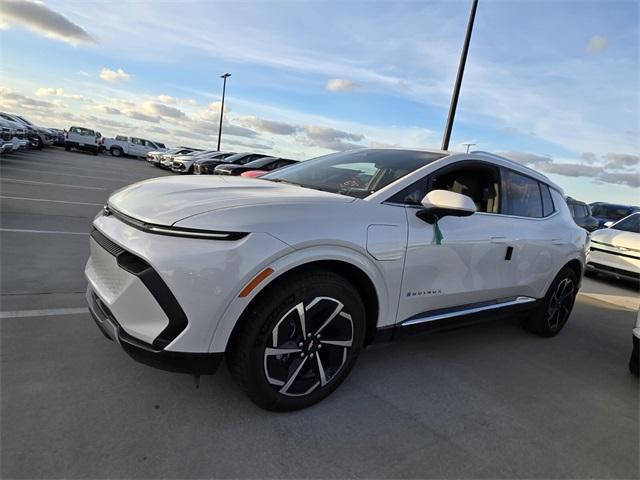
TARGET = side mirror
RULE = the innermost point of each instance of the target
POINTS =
(442, 203)
(608, 224)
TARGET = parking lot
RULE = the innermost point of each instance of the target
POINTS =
(490, 401)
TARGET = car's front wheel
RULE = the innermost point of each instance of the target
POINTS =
(298, 341)
(553, 313)
(116, 152)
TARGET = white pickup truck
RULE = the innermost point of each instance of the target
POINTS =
(82, 138)
(133, 146)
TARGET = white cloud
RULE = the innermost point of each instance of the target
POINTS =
(525, 158)
(50, 92)
(331, 139)
(107, 109)
(597, 43)
(140, 116)
(115, 76)
(83, 73)
(36, 16)
(621, 160)
(269, 126)
(159, 109)
(341, 85)
(167, 99)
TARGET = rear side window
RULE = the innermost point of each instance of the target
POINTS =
(547, 202)
(522, 196)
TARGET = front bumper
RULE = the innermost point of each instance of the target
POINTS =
(181, 362)
(199, 277)
(179, 167)
(90, 147)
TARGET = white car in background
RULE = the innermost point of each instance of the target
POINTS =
(132, 146)
(39, 136)
(291, 275)
(184, 163)
(82, 138)
(615, 250)
(13, 135)
(166, 160)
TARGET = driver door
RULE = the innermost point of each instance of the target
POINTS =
(467, 267)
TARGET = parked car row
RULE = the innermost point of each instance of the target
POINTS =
(598, 215)
(187, 160)
(18, 133)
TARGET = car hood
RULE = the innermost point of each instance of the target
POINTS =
(617, 238)
(165, 201)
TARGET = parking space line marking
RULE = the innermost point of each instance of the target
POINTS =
(108, 179)
(53, 201)
(5, 179)
(43, 313)
(20, 230)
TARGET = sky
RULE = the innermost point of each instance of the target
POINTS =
(551, 84)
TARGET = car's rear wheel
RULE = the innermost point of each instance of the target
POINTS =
(553, 313)
(67, 148)
(298, 341)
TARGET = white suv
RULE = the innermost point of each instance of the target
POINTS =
(291, 275)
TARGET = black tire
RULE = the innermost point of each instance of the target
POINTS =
(40, 144)
(304, 378)
(67, 148)
(116, 152)
(95, 152)
(552, 315)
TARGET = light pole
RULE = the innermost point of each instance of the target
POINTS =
(224, 87)
(456, 88)
(469, 145)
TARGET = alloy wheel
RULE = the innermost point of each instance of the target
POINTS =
(308, 346)
(560, 304)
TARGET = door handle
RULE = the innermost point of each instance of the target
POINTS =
(499, 239)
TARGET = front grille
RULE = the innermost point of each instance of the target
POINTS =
(111, 247)
(6, 134)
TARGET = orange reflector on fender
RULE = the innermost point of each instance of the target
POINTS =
(255, 282)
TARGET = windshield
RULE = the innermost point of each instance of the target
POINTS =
(356, 173)
(629, 224)
(613, 212)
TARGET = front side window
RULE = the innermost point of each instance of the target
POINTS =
(629, 224)
(355, 173)
(478, 181)
(522, 197)
(136, 141)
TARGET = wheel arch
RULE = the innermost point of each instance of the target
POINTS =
(367, 281)
(576, 266)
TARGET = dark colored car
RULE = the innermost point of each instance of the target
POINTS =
(266, 164)
(207, 167)
(610, 212)
(581, 213)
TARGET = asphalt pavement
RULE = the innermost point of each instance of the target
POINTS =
(487, 401)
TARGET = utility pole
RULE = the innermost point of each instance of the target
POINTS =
(469, 145)
(456, 88)
(224, 87)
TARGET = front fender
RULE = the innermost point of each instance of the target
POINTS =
(303, 256)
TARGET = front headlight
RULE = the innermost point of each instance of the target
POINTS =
(173, 231)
